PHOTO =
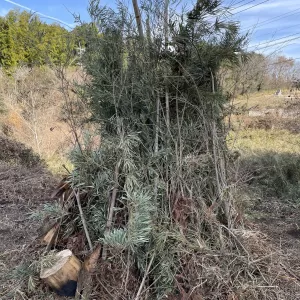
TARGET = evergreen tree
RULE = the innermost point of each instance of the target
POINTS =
(4, 43)
(26, 40)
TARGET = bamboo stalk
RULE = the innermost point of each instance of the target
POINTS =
(156, 142)
(167, 110)
(167, 98)
(137, 297)
(166, 17)
(83, 220)
(111, 208)
(138, 18)
(157, 124)
(148, 34)
(212, 82)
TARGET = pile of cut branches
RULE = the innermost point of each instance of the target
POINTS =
(155, 193)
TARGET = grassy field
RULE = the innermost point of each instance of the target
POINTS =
(251, 141)
(270, 150)
(268, 170)
(261, 100)
(265, 133)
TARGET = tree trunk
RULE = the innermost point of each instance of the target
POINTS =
(63, 274)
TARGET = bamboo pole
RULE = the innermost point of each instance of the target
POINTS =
(83, 220)
(138, 295)
(111, 208)
(138, 18)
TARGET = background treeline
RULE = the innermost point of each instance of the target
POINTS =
(25, 40)
(258, 72)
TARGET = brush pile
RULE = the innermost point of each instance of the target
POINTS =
(236, 263)
(156, 193)
(152, 208)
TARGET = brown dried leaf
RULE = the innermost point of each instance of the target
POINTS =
(91, 262)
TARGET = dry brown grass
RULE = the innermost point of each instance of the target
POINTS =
(269, 148)
(262, 100)
(33, 103)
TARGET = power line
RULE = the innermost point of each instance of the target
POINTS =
(268, 21)
(277, 44)
(290, 26)
(275, 32)
(239, 2)
(251, 7)
(276, 18)
(277, 50)
(272, 44)
(266, 42)
(248, 7)
(242, 4)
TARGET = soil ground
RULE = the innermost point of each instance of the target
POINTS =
(25, 186)
(280, 221)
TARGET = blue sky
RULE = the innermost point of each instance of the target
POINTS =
(60, 9)
(268, 20)
(274, 25)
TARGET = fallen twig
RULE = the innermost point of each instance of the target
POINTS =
(137, 297)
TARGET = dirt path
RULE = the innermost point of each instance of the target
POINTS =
(280, 222)
(22, 190)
